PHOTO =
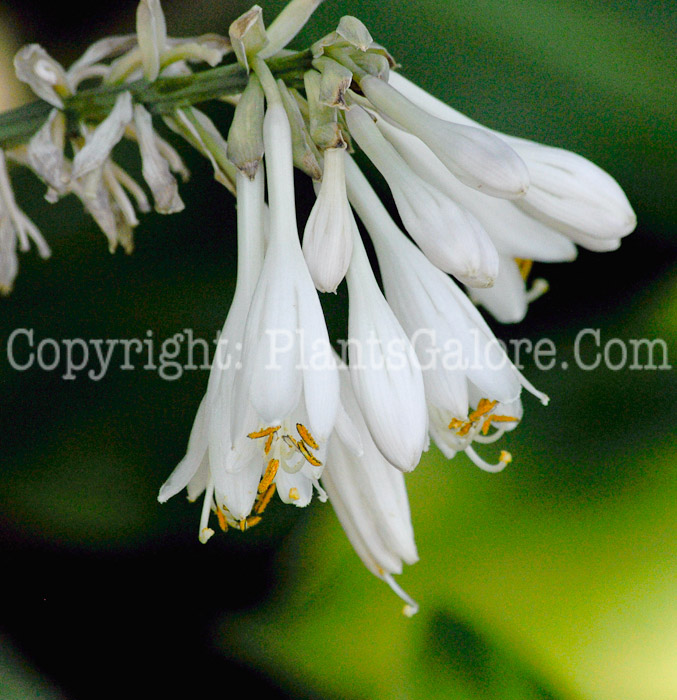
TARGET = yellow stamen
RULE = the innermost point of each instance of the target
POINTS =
(269, 444)
(264, 433)
(264, 500)
(465, 429)
(223, 524)
(243, 525)
(455, 424)
(309, 457)
(504, 419)
(253, 520)
(306, 436)
(524, 265)
(294, 494)
(271, 471)
(496, 419)
(483, 407)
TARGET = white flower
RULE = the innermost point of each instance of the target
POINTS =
(285, 398)
(370, 500)
(463, 363)
(475, 156)
(450, 236)
(328, 236)
(287, 355)
(568, 192)
(514, 233)
(230, 477)
(385, 374)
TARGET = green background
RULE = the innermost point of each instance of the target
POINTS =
(554, 579)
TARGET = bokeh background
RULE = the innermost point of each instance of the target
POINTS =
(554, 579)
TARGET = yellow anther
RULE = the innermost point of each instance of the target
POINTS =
(294, 494)
(524, 265)
(223, 523)
(465, 429)
(483, 407)
(455, 424)
(505, 457)
(496, 419)
(264, 500)
(306, 436)
(264, 433)
(253, 520)
(243, 525)
(306, 453)
(271, 471)
(269, 443)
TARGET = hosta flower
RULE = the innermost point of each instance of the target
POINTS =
(210, 458)
(384, 371)
(463, 364)
(449, 235)
(567, 191)
(370, 500)
(331, 227)
(475, 156)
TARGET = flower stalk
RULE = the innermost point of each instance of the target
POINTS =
(164, 96)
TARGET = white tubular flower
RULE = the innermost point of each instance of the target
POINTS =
(370, 501)
(463, 363)
(230, 476)
(384, 370)
(475, 156)
(155, 167)
(289, 373)
(435, 314)
(16, 231)
(514, 233)
(568, 192)
(329, 232)
(449, 236)
(574, 195)
(100, 143)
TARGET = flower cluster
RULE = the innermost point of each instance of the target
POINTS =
(283, 414)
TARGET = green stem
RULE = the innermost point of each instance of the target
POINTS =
(164, 96)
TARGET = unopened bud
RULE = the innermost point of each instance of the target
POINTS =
(245, 138)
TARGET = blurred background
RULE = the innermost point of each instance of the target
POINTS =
(554, 579)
